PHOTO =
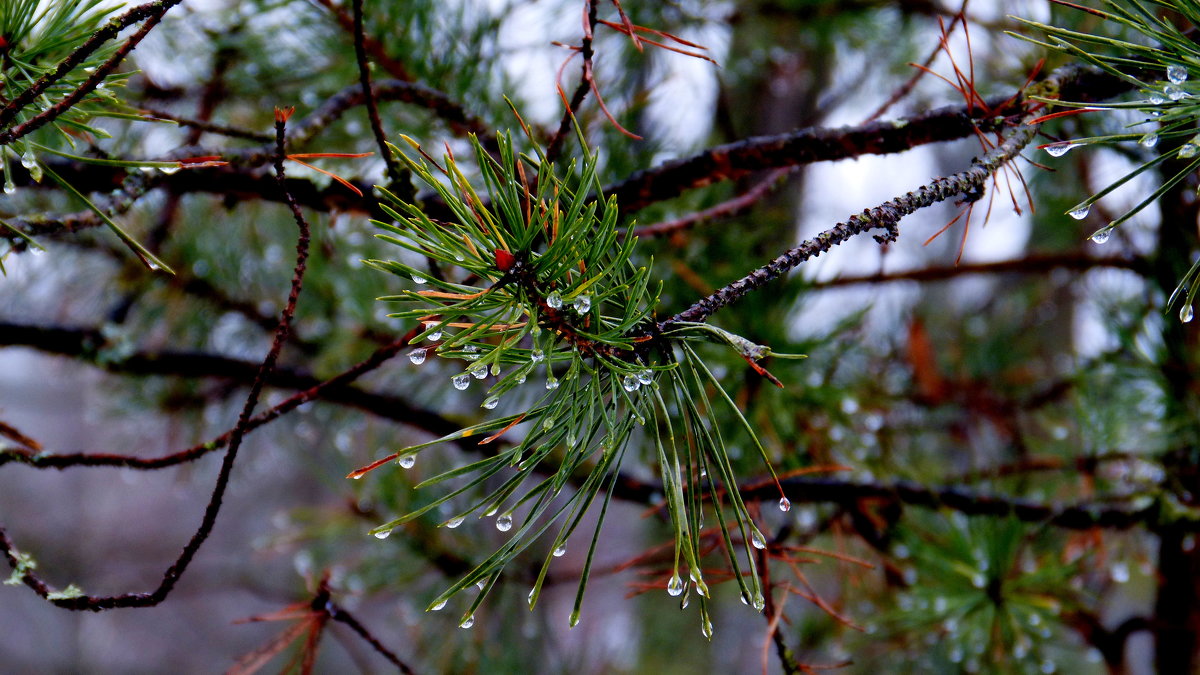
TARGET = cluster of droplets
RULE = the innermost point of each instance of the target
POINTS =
(633, 381)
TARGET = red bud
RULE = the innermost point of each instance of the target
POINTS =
(504, 260)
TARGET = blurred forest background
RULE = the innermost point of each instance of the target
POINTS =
(991, 451)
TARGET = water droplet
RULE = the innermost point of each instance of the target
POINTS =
(537, 355)
(706, 628)
(583, 304)
(532, 591)
(560, 551)
(169, 170)
(1188, 150)
(438, 606)
(1119, 572)
(574, 620)
(554, 300)
(461, 381)
(744, 600)
(675, 585)
(1060, 149)
(759, 602)
(1048, 667)
(1156, 98)
(1101, 236)
(407, 461)
(481, 584)
(630, 383)
(757, 540)
(383, 534)
(467, 622)
(418, 279)
(478, 371)
(28, 160)
(1187, 314)
(435, 336)
(1080, 213)
(1149, 140)
(1177, 74)
(491, 402)
(645, 377)
(1174, 93)
(471, 352)
(552, 383)
(504, 522)
(978, 581)
(521, 379)
(9, 187)
(785, 504)
(548, 424)
(417, 356)
(454, 522)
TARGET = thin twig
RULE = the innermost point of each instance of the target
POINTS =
(364, 78)
(338, 613)
(585, 82)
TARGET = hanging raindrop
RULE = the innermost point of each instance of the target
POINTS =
(1177, 74)
(756, 538)
(407, 461)
(759, 602)
(28, 160)
(1080, 213)
(461, 382)
(1188, 150)
(675, 586)
(706, 628)
(552, 383)
(1186, 314)
(1156, 98)
(478, 371)
(537, 355)
(504, 523)
(785, 504)
(583, 304)
(645, 377)
(383, 534)
(417, 356)
(491, 402)
(1101, 236)
(1060, 149)
(418, 279)
(1149, 140)
(1174, 93)
(467, 622)
(560, 551)
(435, 336)
(554, 300)
(454, 522)
(438, 607)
